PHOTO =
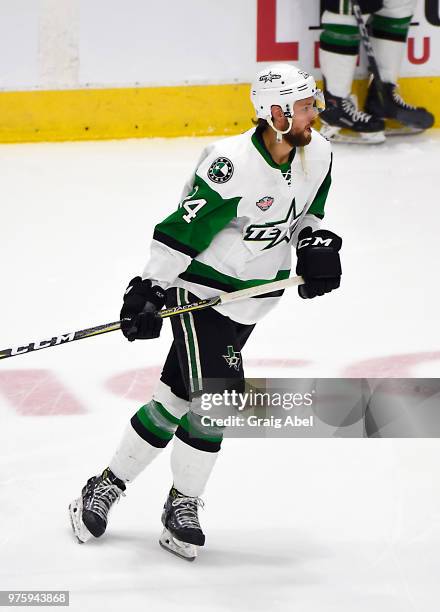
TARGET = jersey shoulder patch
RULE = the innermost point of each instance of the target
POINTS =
(221, 170)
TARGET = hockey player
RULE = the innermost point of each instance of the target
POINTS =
(339, 49)
(251, 199)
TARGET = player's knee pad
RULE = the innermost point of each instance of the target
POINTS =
(173, 404)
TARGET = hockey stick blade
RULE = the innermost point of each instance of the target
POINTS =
(218, 300)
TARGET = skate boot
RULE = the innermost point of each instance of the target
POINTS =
(182, 533)
(343, 122)
(407, 119)
(88, 513)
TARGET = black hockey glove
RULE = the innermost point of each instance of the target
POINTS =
(139, 319)
(318, 262)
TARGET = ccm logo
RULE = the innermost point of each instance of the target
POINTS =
(35, 346)
(314, 241)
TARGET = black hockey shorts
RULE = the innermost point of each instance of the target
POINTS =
(205, 356)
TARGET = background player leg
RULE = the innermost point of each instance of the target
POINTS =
(389, 33)
(339, 48)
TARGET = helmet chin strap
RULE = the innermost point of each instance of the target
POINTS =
(280, 133)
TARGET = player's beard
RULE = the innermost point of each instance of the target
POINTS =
(299, 139)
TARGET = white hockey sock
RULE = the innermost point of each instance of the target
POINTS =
(389, 55)
(132, 456)
(191, 468)
(338, 70)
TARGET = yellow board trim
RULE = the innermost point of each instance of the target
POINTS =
(193, 110)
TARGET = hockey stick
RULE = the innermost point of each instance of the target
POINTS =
(218, 300)
(372, 64)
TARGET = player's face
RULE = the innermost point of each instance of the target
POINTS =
(304, 115)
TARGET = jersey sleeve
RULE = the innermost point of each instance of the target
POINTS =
(318, 197)
(317, 206)
(204, 211)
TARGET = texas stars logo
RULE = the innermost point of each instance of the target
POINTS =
(221, 170)
(274, 232)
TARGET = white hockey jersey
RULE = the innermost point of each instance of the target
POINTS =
(238, 220)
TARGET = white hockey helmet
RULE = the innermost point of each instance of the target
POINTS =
(282, 85)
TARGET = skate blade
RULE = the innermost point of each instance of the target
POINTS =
(81, 532)
(177, 547)
(394, 128)
(338, 134)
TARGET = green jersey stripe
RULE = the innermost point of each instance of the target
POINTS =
(318, 204)
(258, 142)
(200, 216)
(174, 244)
(228, 283)
(221, 287)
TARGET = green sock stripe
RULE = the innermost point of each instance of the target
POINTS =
(164, 412)
(340, 28)
(347, 7)
(391, 25)
(347, 36)
(196, 432)
(144, 417)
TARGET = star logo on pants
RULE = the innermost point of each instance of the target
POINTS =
(233, 358)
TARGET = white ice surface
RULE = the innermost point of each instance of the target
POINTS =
(306, 525)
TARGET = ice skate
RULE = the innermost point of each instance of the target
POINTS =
(343, 122)
(402, 118)
(88, 513)
(182, 534)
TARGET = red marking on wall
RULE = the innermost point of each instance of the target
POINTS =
(316, 54)
(393, 366)
(268, 49)
(426, 54)
(38, 393)
(137, 385)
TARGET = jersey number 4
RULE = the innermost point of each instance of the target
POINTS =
(192, 207)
